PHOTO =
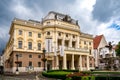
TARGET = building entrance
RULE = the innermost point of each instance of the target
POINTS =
(49, 65)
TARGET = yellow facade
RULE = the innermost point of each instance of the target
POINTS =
(78, 46)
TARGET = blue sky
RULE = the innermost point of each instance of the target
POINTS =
(95, 16)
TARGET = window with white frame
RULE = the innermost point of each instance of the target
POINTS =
(39, 46)
(30, 34)
(39, 35)
(29, 45)
(20, 44)
(20, 32)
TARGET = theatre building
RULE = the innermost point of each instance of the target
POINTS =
(58, 34)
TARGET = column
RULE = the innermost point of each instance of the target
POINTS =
(55, 46)
(56, 41)
(34, 41)
(80, 63)
(70, 41)
(57, 62)
(63, 40)
(88, 68)
(72, 64)
(14, 47)
(78, 40)
(25, 40)
(64, 62)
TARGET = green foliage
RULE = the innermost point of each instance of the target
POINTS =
(68, 79)
(118, 49)
(98, 72)
(86, 72)
(63, 70)
(83, 78)
(56, 74)
(93, 78)
(61, 74)
(107, 78)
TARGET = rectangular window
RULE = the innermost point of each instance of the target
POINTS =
(90, 51)
(39, 64)
(73, 44)
(20, 44)
(29, 45)
(39, 46)
(39, 56)
(20, 55)
(30, 56)
(84, 42)
(39, 35)
(20, 32)
(30, 63)
(30, 34)
(89, 43)
(90, 64)
(85, 65)
(20, 64)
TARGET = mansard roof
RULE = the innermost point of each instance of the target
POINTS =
(61, 17)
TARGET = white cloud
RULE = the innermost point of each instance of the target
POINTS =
(22, 11)
(83, 12)
(110, 34)
(4, 32)
(80, 10)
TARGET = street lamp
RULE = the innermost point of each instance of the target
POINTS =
(44, 59)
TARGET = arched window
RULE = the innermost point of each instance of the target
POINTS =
(20, 44)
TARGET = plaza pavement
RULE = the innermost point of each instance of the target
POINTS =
(28, 76)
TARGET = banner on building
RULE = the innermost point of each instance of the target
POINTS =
(61, 50)
(55, 50)
(48, 45)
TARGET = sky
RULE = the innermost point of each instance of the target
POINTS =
(95, 17)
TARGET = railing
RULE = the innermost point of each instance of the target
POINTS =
(61, 23)
(77, 49)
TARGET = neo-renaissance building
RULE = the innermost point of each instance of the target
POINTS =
(66, 46)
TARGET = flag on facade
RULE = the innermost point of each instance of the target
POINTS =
(55, 52)
(48, 45)
(61, 50)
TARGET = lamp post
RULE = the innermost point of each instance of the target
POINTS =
(44, 59)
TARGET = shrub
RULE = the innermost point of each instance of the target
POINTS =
(56, 74)
(106, 78)
(63, 70)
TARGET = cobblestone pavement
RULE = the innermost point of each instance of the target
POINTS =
(24, 77)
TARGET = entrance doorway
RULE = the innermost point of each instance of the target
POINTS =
(49, 65)
(60, 64)
(68, 64)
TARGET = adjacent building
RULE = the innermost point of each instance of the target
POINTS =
(104, 53)
(66, 46)
(99, 43)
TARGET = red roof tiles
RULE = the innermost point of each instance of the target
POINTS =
(96, 41)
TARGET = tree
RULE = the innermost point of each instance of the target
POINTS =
(118, 49)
